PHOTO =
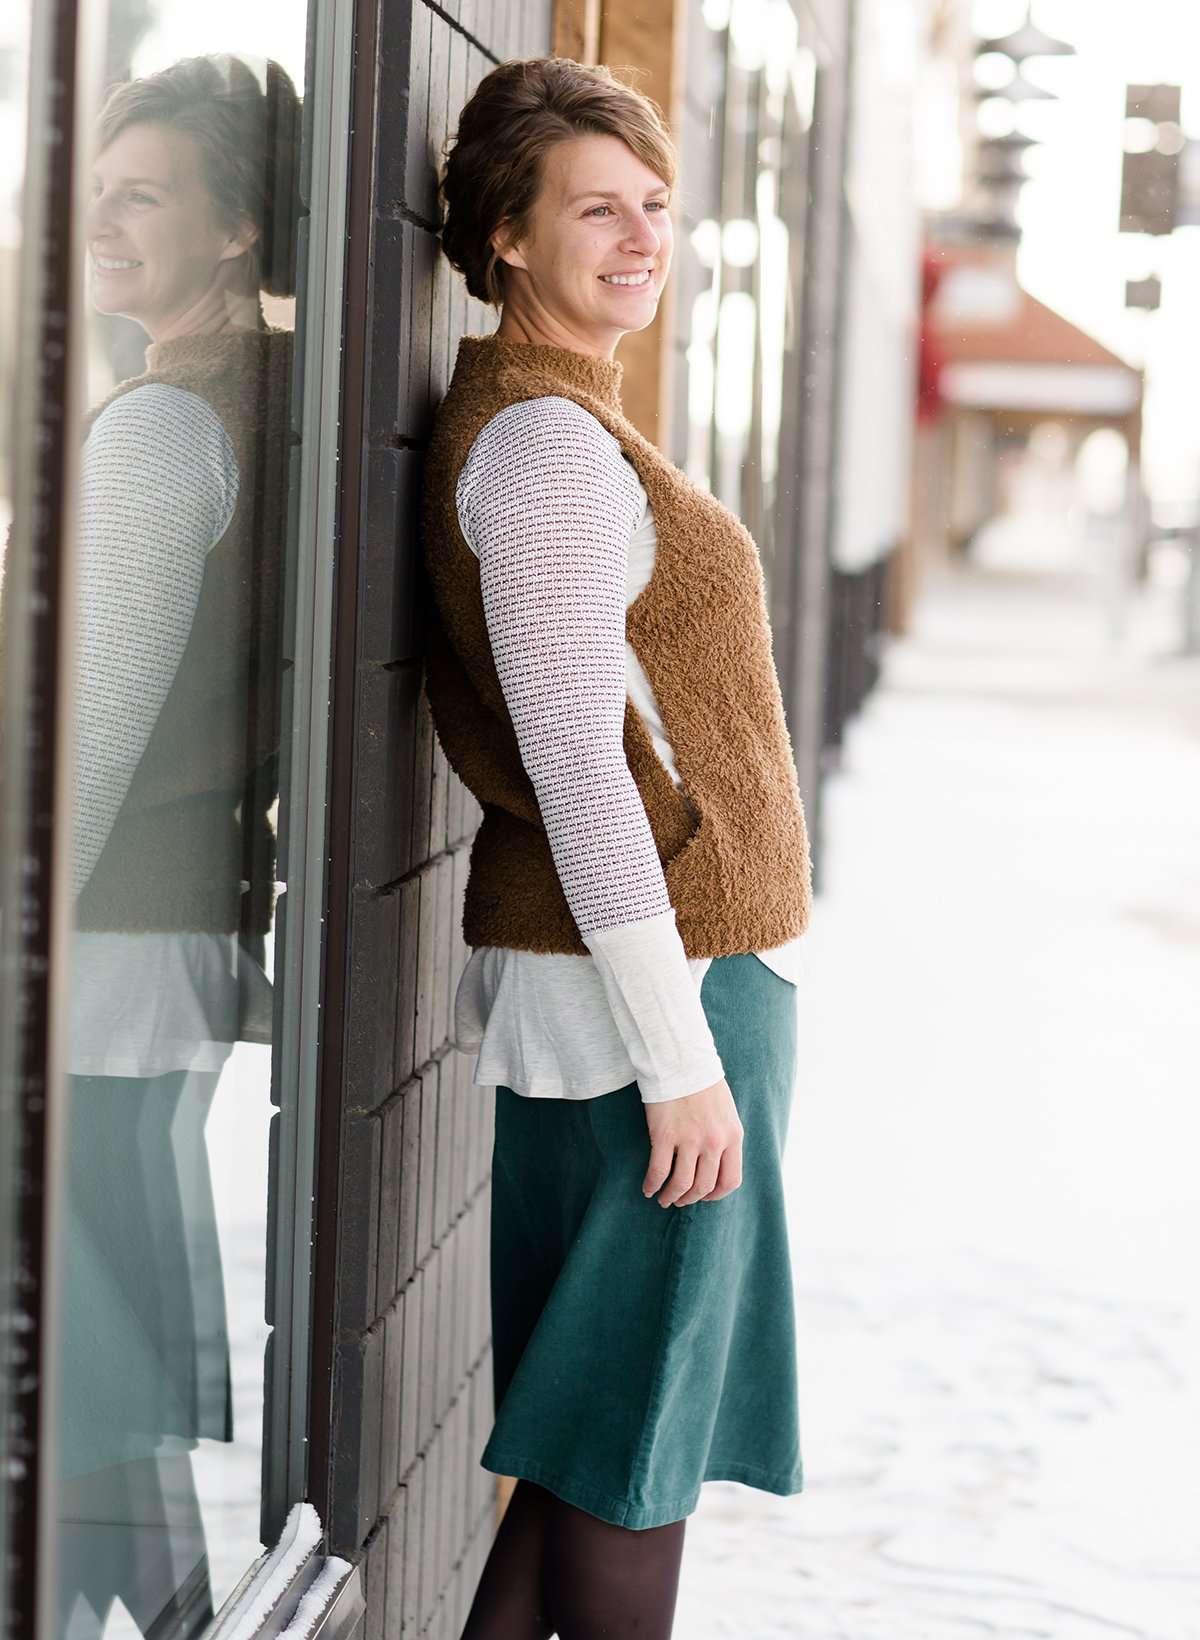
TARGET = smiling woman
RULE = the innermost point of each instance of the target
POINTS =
(637, 888)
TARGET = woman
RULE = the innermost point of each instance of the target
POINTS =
(182, 506)
(600, 675)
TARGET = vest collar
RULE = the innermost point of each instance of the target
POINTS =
(585, 371)
(205, 347)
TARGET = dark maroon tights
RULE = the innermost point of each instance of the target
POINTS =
(556, 1570)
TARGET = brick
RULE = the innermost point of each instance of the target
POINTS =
(462, 1305)
(359, 1251)
(430, 1535)
(452, 1072)
(390, 556)
(411, 1386)
(393, 1384)
(447, 1499)
(444, 277)
(455, 1514)
(358, 1374)
(439, 118)
(445, 1362)
(430, 1317)
(375, 1590)
(407, 1115)
(440, 1022)
(427, 1162)
(460, 52)
(370, 1003)
(439, 800)
(422, 783)
(460, 953)
(416, 406)
(387, 735)
(396, 1560)
(427, 943)
(389, 340)
(418, 172)
(480, 1285)
(396, 117)
(410, 1596)
(442, 1206)
(406, 979)
(391, 1151)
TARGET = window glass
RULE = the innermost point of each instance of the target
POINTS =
(15, 21)
(188, 230)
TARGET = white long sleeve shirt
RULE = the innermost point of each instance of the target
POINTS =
(158, 485)
(564, 534)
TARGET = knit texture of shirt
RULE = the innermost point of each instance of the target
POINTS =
(546, 1025)
(738, 876)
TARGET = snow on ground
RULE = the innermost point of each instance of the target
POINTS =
(993, 1147)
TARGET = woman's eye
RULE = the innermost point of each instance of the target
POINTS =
(140, 198)
(661, 203)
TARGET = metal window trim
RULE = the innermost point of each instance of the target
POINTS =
(331, 40)
(40, 582)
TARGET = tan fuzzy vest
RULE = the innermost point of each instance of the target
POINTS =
(739, 878)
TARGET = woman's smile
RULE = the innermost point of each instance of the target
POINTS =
(628, 281)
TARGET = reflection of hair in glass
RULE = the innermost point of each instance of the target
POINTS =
(249, 145)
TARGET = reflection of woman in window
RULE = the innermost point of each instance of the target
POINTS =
(182, 504)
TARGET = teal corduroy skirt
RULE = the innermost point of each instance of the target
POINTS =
(637, 1350)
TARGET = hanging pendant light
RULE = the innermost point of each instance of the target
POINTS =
(1027, 41)
(1018, 89)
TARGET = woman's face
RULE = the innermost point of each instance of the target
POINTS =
(156, 247)
(600, 211)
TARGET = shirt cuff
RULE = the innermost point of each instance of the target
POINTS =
(654, 994)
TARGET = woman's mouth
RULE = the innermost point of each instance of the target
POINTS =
(627, 281)
(113, 264)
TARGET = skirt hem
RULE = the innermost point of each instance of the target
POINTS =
(639, 1516)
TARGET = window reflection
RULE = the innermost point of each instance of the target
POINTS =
(181, 531)
(742, 319)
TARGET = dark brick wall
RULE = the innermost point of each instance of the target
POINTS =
(412, 1367)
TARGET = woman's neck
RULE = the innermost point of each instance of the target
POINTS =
(519, 327)
(217, 311)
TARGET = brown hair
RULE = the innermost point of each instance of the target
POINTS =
(516, 113)
(248, 141)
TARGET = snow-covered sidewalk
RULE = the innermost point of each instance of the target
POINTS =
(994, 1150)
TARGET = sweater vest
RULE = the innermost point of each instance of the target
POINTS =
(738, 876)
(194, 823)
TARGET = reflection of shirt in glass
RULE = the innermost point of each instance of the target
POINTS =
(158, 486)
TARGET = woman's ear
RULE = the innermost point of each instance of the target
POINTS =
(240, 239)
(503, 244)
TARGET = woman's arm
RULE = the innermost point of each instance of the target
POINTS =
(548, 503)
(158, 485)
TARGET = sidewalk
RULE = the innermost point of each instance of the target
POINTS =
(994, 1149)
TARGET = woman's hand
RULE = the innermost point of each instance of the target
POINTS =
(703, 1132)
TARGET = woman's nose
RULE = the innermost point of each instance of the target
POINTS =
(97, 216)
(644, 236)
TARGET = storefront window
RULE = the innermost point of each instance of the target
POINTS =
(187, 567)
(15, 25)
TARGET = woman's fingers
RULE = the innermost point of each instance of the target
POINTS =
(729, 1176)
(682, 1176)
(706, 1177)
(661, 1153)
